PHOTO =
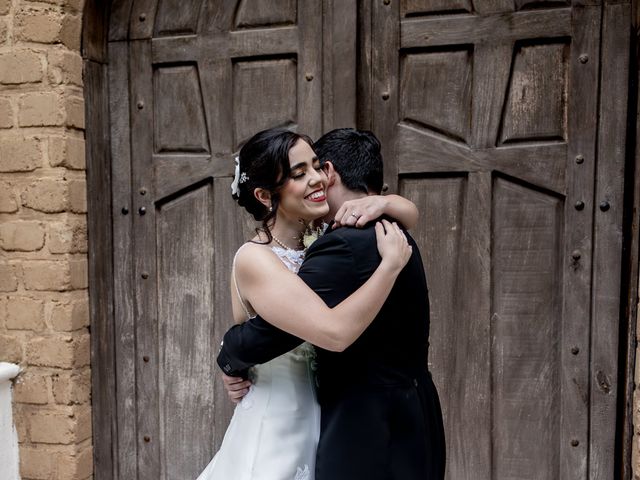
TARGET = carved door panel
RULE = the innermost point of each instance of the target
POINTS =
(190, 81)
(487, 110)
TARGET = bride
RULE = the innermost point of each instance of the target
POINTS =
(274, 431)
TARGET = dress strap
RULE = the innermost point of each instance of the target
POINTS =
(235, 283)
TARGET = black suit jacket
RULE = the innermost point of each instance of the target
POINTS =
(381, 415)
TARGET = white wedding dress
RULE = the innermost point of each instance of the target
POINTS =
(274, 431)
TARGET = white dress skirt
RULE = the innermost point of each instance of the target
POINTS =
(274, 431)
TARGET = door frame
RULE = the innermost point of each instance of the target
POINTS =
(347, 102)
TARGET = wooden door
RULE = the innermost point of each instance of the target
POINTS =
(189, 82)
(488, 116)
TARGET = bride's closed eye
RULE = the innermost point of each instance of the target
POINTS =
(302, 173)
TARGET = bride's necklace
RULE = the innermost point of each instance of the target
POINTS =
(281, 243)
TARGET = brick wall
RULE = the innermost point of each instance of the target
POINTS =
(43, 242)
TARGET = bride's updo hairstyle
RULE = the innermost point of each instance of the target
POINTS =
(264, 163)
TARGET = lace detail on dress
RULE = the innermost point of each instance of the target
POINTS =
(303, 473)
(291, 258)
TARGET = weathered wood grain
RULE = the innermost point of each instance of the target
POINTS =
(265, 13)
(177, 17)
(607, 256)
(526, 321)
(491, 66)
(339, 58)
(385, 84)
(471, 437)
(540, 164)
(103, 365)
(185, 239)
(431, 7)
(577, 249)
(535, 107)
(144, 274)
(142, 18)
(364, 73)
(445, 106)
(310, 68)
(126, 447)
(466, 29)
(179, 124)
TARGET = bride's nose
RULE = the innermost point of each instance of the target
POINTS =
(315, 178)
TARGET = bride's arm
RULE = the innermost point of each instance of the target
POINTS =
(286, 302)
(360, 211)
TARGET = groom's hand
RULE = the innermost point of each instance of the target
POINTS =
(236, 387)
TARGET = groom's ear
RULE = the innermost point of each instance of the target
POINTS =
(331, 173)
(263, 196)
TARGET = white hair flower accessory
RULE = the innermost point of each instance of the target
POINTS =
(238, 178)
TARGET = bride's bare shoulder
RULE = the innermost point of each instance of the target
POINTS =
(254, 255)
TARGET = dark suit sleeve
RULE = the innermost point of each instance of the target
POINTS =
(328, 270)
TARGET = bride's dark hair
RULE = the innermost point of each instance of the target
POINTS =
(264, 163)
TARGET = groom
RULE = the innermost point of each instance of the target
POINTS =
(380, 413)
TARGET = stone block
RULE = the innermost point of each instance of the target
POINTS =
(5, 5)
(51, 351)
(40, 25)
(67, 317)
(32, 388)
(78, 274)
(6, 113)
(72, 388)
(20, 419)
(74, 109)
(47, 275)
(37, 462)
(40, 109)
(20, 66)
(78, 196)
(76, 467)
(62, 351)
(70, 5)
(26, 236)
(82, 350)
(49, 195)
(3, 31)
(10, 349)
(54, 426)
(67, 237)
(70, 31)
(65, 67)
(20, 154)
(8, 278)
(67, 152)
(8, 202)
(24, 313)
(84, 422)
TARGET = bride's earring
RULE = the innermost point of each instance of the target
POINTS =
(270, 209)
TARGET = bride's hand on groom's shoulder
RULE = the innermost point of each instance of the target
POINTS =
(360, 211)
(236, 387)
(393, 245)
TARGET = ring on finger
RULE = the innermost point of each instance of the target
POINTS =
(354, 214)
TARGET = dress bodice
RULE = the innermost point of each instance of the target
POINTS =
(291, 258)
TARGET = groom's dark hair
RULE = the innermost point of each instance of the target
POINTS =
(356, 157)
